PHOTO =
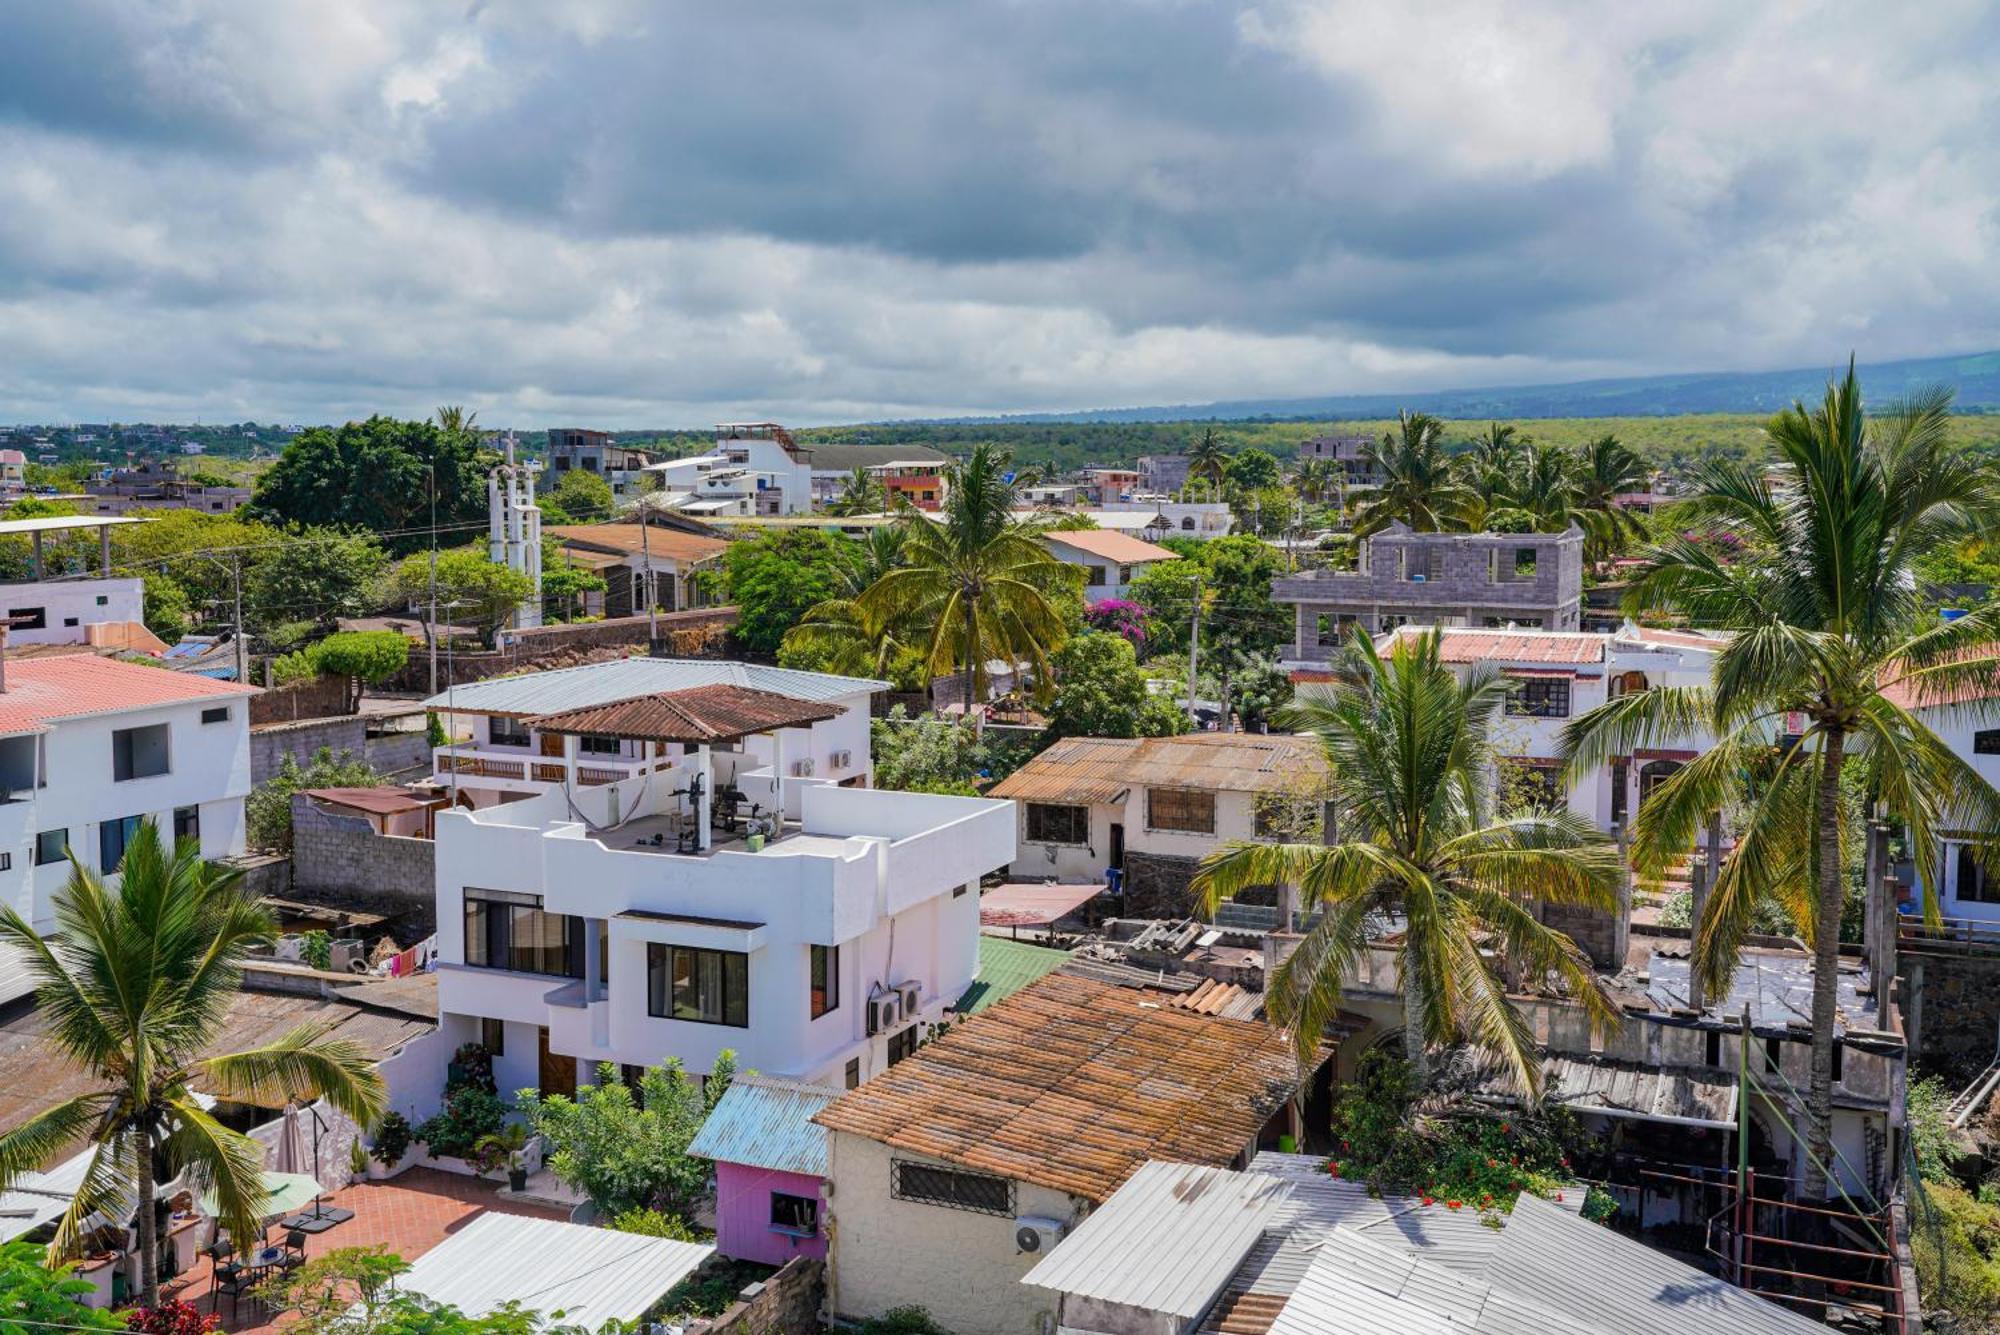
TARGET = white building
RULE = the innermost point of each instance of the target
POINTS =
(755, 469)
(1109, 559)
(637, 920)
(1968, 722)
(90, 747)
(507, 757)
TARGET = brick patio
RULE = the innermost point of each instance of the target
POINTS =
(409, 1214)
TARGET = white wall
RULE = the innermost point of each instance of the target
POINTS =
(1071, 864)
(84, 602)
(961, 1266)
(1956, 726)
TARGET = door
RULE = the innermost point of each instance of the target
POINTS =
(552, 744)
(558, 1073)
(1117, 859)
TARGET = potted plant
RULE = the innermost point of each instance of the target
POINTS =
(392, 1142)
(507, 1145)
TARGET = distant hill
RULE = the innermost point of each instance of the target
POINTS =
(1976, 377)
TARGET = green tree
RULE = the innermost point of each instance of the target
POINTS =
(267, 812)
(488, 592)
(861, 493)
(353, 1291)
(1420, 487)
(839, 635)
(924, 755)
(1409, 747)
(377, 476)
(1606, 470)
(1829, 625)
(1253, 470)
(137, 993)
(578, 497)
(1100, 692)
(370, 656)
(1541, 488)
(1207, 460)
(777, 577)
(315, 578)
(631, 1154)
(168, 612)
(978, 581)
(36, 1300)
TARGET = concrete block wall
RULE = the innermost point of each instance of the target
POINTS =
(339, 859)
(398, 752)
(271, 741)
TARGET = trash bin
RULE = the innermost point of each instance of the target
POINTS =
(1114, 879)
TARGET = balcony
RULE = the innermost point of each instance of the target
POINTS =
(511, 765)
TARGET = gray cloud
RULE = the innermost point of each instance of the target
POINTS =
(637, 213)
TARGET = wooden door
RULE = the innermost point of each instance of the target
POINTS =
(558, 1073)
(552, 744)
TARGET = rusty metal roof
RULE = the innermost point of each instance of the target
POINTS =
(1464, 645)
(1097, 769)
(384, 801)
(1072, 1085)
(696, 716)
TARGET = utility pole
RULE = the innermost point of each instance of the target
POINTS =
(646, 556)
(242, 649)
(1194, 647)
(431, 626)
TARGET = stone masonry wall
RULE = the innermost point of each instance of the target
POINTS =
(1156, 885)
(396, 752)
(271, 741)
(788, 1303)
(318, 698)
(1951, 1009)
(339, 859)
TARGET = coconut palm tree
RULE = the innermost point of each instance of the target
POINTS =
(136, 989)
(1829, 627)
(838, 633)
(976, 579)
(1419, 485)
(861, 493)
(1541, 488)
(1409, 746)
(1499, 446)
(1317, 479)
(1604, 471)
(1207, 459)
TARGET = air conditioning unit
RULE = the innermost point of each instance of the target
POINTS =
(1037, 1235)
(884, 1011)
(840, 759)
(912, 993)
(802, 769)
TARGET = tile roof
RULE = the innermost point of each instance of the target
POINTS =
(625, 678)
(1676, 639)
(1097, 769)
(1005, 967)
(1072, 1085)
(665, 543)
(696, 716)
(1918, 694)
(1109, 544)
(762, 1122)
(1515, 646)
(41, 691)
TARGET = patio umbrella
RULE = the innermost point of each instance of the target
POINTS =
(289, 1155)
(289, 1191)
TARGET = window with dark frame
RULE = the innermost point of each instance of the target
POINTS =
(187, 824)
(824, 967)
(902, 1045)
(1976, 884)
(51, 846)
(1184, 809)
(929, 1184)
(797, 1215)
(699, 986)
(29, 618)
(139, 753)
(1049, 823)
(1539, 697)
(853, 1073)
(219, 714)
(1095, 579)
(113, 836)
(506, 732)
(597, 746)
(505, 929)
(1986, 742)
(493, 1035)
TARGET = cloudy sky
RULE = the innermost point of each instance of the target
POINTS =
(662, 212)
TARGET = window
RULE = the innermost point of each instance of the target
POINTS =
(112, 837)
(903, 1045)
(1058, 825)
(1976, 884)
(1986, 742)
(1539, 697)
(853, 1073)
(493, 1035)
(825, 968)
(1712, 1047)
(598, 746)
(506, 732)
(978, 1192)
(139, 753)
(1180, 809)
(50, 846)
(187, 824)
(29, 618)
(508, 930)
(6, 862)
(219, 714)
(1095, 578)
(700, 986)
(1333, 628)
(797, 1215)
(1426, 566)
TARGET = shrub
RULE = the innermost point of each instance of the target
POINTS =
(316, 949)
(911, 1320)
(172, 1317)
(470, 1114)
(34, 1298)
(371, 655)
(626, 1153)
(657, 1224)
(1955, 1240)
(268, 809)
(293, 668)
(392, 1139)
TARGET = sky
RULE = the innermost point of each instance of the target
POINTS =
(629, 213)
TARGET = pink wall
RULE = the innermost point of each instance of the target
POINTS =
(743, 1214)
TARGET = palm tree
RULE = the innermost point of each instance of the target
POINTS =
(840, 635)
(1207, 459)
(861, 493)
(976, 579)
(1410, 750)
(1829, 627)
(1419, 485)
(1541, 488)
(1317, 479)
(1499, 446)
(455, 421)
(1606, 470)
(136, 988)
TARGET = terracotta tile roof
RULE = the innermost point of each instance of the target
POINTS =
(1921, 695)
(1072, 1085)
(1110, 544)
(1097, 769)
(1677, 639)
(1515, 646)
(697, 715)
(41, 691)
(665, 543)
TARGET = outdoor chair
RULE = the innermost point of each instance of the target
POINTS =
(228, 1277)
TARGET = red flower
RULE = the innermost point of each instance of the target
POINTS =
(1426, 1200)
(1333, 1169)
(1559, 1196)
(1506, 1129)
(1451, 1205)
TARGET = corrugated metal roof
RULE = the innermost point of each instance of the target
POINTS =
(590, 1275)
(22, 1211)
(766, 1123)
(1167, 1241)
(1098, 769)
(625, 678)
(697, 715)
(1611, 1088)
(1005, 967)
(15, 980)
(1072, 1085)
(666, 544)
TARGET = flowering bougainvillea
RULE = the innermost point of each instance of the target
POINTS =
(172, 1317)
(1117, 616)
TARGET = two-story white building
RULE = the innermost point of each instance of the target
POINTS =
(1968, 721)
(507, 756)
(634, 921)
(1109, 559)
(90, 747)
(755, 468)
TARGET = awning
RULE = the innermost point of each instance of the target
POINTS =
(1024, 905)
(1563, 674)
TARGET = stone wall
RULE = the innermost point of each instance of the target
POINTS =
(272, 741)
(698, 634)
(398, 752)
(1156, 885)
(1951, 1009)
(788, 1303)
(318, 698)
(338, 859)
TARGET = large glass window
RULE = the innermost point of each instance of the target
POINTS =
(187, 824)
(1976, 884)
(1050, 824)
(1180, 809)
(508, 930)
(50, 846)
(506, 732)
(598, 746)
(112, 837)
(1539, 697)
(825, 981)
(703, 986)
(139, 753)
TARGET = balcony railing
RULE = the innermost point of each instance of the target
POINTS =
(472, 762)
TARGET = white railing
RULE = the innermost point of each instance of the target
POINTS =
(470, 761)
